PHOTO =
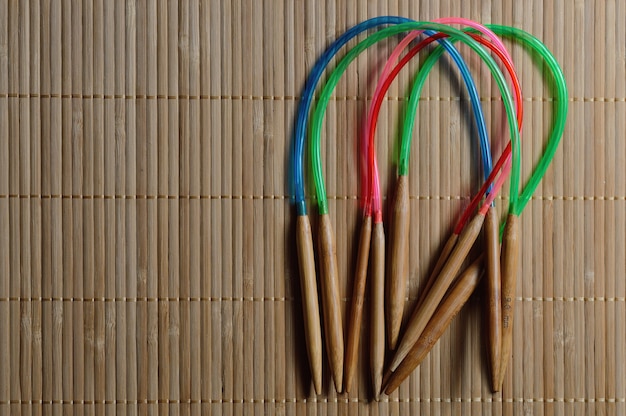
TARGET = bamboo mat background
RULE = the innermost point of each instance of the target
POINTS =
(147, 256)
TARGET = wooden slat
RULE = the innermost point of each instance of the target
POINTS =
(5, 270)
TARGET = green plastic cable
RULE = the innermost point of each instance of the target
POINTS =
(561, 104)
(318, 116)
(518, 201)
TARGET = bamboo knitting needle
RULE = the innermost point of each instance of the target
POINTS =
(331, 300)
(308, 284)
(424, 312)
(356, 308)
(447, 310)
(510, 250)
(398, 272)
(377, 352)
(494, 316)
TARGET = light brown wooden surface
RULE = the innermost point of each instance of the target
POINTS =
(441, 260)
(147, 241)
(449, 271)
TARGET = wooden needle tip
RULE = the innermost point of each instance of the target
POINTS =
(339, 385)
(317, 383)
(386, 378)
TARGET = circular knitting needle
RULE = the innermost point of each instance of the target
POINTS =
(424, 312)
(398, 272)
(511, 235)
(303, 234)
(382, 87)
(373, 199)
(518, 202)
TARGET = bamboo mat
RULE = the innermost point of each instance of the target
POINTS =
(147, 241)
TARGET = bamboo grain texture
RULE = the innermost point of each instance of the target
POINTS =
(310, 302)
(358, 299)
(494, 302)
(148, 244)
(509, 259)
(377, 310)
(397, 276)
(331, 312)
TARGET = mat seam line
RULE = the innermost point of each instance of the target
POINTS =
(283, 197)
(325, 401)
(244, 97)
(269, 299)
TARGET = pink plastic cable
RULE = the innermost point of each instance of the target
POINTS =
(371, 182)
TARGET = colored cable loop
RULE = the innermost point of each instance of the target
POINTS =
(297, 158)
(421, 324)
(371, 192)
(318, 115)
(389, 74)
(304, 239)
(363, 254)
(431, 316)
(401, 235)
(328, 279)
